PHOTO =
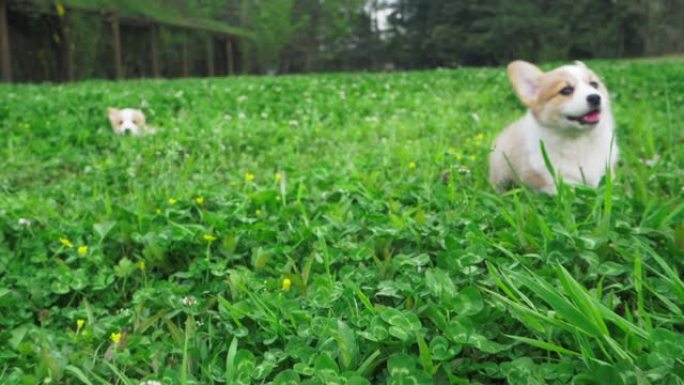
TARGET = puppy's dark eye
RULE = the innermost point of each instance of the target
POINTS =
(120, 122)
(594, 84)
(567, 90)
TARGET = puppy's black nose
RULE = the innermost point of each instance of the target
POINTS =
(594, 100)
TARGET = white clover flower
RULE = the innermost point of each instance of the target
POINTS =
(24, 222)
(293, 123)
(242, 116)
(151, 382)
(464, 170)
(131, 172)
(189, 300)
(650, 163)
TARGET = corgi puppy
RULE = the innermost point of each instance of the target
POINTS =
(128, 121)
(569, 113)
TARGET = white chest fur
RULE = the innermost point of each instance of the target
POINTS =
(578, 157)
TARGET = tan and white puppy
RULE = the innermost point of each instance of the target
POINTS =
(569, 112)
(128, 121)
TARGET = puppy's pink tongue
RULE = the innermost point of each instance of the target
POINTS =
(592, 117)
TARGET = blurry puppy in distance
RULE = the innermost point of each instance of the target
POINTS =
(129, 121)
(569, 113)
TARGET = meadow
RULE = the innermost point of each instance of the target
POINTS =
(333, 229)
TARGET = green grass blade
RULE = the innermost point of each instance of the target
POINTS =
(78, 373)
(559, 303)
(230, 361)
(544, 345)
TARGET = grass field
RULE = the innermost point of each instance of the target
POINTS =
(333, 229)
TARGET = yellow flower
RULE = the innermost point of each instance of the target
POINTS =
(412, 166)
(287, 283)
(172, 201)
(199, 200)
(278, 176)
(79, 324)
(66, 242)
(141, 265)
(249, 176)
(258, 212)
(209, 238)
(472, 157)
(115, 337)
(479, 137)
(452, 150)
(60, 10)
(83, 250)
(459, 156)
(158, 211)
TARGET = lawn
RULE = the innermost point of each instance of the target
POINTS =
(333, 229)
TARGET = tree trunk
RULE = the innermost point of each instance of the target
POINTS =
(242, 47)
(116, 36)
(210, 56)
(154, 51)
(229, 56)
(66, 54)
(5, 62)
(186, 60)
(285, 61)
(244, 56)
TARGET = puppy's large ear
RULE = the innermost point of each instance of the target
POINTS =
(114, 118)
(140, 117)
(580, 64)
(112, 113)
(525, 78)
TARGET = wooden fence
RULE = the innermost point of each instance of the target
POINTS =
(226, 38)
